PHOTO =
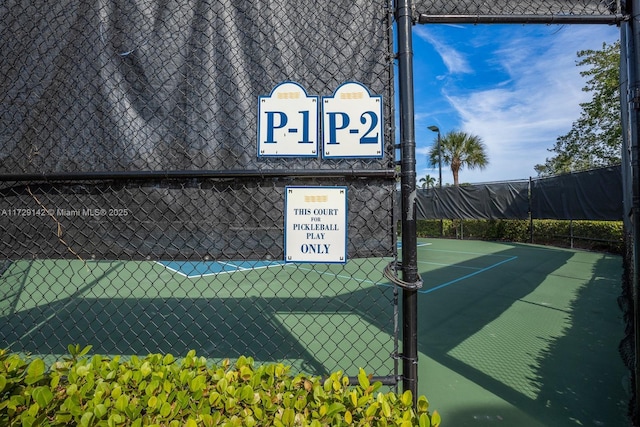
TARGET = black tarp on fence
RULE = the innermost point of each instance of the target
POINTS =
(590, 195)
(159, 89)
(487, 201)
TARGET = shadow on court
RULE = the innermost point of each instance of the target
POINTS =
(512, 335)
(531, 343)
(266, 328)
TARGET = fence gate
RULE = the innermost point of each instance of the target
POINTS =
(615, 12)
(216, 176)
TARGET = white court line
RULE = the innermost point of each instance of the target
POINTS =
(197, 276)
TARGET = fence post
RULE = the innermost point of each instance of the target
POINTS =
(634, 129)
(408, 193)
(529, 196)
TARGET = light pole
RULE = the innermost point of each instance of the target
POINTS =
(437, 129)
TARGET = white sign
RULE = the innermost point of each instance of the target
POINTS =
(352, 123)
(315, 224)
(288, 122)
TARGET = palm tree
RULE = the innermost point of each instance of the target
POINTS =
(428, 181)
(460, 149)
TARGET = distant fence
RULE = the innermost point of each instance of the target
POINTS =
(590, 195)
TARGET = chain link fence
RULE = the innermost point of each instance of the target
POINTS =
(580, 8)
(137, 214)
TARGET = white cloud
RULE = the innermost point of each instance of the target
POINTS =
(520, 118)
(454, 60)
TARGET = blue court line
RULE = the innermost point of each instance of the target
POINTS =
(482, 270)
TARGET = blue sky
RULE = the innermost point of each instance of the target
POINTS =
(516, 86)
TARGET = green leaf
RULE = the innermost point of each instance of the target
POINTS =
(423, 404)
(407, 398)
(100, 410)
(86, 419)
(288, 417)
(246, 393)
(33, 410)
(122, 403)
(435, 419)
(363, 400)
(300, 404)
(42, 395)
(371, 410)
(353, 398)
(27, 421)
(335, 408)
(145, 369)
(230, 404)
(35, 371)
(168, 359)
(72, 349)
(152, 402)
(114, 420)
(63, 419)
(386, 408)
(198, 383)
(363, 379)
(84, 351)
(424, 421)
(207, 420)
(165, 410)
(246, 373)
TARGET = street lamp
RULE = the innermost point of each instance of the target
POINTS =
(436, 129)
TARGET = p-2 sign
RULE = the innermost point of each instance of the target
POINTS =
(288, 122)
(352, 123)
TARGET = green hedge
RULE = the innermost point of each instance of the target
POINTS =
(160, 390)
(604, 236)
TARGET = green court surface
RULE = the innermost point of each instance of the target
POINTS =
(317, 318)
(521, 335)
(509, 334)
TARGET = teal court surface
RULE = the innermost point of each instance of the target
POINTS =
(521, 335)
(508, 334)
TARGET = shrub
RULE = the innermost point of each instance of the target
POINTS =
(160, 390)
(605, 236)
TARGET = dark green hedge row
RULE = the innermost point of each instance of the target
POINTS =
(606, 236)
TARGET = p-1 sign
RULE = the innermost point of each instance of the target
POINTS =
(288, 122)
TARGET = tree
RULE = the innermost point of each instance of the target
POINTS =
(428, 181)
(459, 150)
(595, 137)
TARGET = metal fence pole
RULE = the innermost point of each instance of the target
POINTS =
(634, 86)
(408, 192)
